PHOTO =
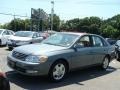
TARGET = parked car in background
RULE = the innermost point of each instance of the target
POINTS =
(50, 32)
(111, 41)
(23, 38)
(117, 45)
(44, 35)
(5, 35)
(61, 53)
(4, 83)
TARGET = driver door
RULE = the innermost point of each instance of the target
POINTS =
(82, 55)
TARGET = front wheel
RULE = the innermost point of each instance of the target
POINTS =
(58, 71)
(117, 56)
(105, 63)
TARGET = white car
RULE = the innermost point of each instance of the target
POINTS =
(5, 35)
(23, 38)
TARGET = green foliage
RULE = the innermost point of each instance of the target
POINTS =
(56, 22)
(109, 31)
(109, 28)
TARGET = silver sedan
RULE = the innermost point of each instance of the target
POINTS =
(61, 53)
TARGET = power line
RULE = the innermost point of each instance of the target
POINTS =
(14, 15)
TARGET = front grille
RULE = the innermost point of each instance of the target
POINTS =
(18, 55)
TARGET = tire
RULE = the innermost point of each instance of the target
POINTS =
(117, 57)
(0, 42)
(10, 48)
(58, 71)
(6, 84)
(105, 63)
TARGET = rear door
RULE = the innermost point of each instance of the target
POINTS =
(99, 49)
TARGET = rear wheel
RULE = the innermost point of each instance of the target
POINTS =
(58, 71)
(105, 63)
(117, 56)
(10, 48)
(0, 42)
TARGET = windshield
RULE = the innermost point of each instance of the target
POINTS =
(1, 31)
(61, 39)
(24, 34)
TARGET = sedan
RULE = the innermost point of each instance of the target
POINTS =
(23, 38)
(4, 83)
(5, 35)
(61, 53)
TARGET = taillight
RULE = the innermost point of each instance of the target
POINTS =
(2, 74)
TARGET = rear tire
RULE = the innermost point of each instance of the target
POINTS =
(105, 63)
(117, 57)
(0, 42)
(58, 71)
(10, 48)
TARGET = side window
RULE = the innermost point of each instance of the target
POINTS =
(84, 41)
(34, 35)
(5, 33)
(97, 42)
(38, 35)
(11, 33)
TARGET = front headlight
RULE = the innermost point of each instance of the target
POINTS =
(36, 59)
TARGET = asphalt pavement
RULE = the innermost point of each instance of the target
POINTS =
(87, 79)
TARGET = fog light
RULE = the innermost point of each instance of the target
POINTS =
(30, 71)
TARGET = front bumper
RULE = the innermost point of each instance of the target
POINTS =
(25, 68)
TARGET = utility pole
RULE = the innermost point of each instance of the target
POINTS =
(52, 14)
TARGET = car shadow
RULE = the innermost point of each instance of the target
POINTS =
(7, 49)
(75, 77)
(1, 46)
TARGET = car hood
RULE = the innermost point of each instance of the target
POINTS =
(38, 49)
(16, 38)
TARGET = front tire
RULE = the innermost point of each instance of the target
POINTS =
(105, 63)
(58, 71)
(117, 57)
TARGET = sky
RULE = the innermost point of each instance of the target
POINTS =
(66, 9)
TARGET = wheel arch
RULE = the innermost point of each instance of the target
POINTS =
(108, 56)
(61, 59)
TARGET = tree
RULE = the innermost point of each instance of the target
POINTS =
(56, 22)
(109, 31)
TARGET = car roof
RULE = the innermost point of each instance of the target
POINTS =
(75, 33)
(27, 31)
